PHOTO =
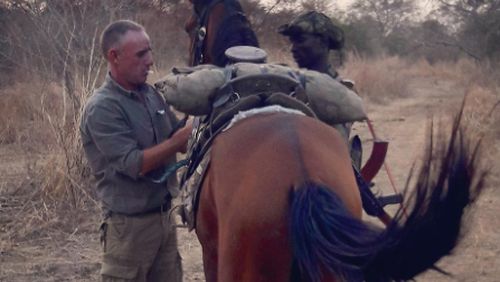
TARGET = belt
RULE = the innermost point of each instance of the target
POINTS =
(163, 208)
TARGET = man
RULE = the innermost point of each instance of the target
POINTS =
(124, 130)
(313, 35)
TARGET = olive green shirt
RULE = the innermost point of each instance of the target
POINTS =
(116, 126)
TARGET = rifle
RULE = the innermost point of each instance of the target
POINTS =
(373, 205)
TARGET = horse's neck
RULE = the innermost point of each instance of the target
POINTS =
(203, 8)
(207, 15)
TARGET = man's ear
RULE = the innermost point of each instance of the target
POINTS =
(112, 55)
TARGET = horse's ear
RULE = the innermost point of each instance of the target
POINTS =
(190, 24)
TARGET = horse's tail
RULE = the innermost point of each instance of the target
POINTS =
(325, 237)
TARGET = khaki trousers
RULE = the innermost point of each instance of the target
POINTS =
(140, 248)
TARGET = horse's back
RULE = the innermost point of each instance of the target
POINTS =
(282, 151)
(255, 167)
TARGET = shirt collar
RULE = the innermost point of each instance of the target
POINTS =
(119, 89)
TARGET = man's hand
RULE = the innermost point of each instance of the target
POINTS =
(182, 136)
(157, 155)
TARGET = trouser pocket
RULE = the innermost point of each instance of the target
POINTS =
(113, 272)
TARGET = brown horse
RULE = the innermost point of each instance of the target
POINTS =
(279, 202)
(215, 26)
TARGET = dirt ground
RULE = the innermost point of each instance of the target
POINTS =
(74, 256)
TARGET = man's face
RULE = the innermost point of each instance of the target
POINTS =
(307, 49)
(132, 59)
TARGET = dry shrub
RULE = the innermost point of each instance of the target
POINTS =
(466, 72)
(380, 79)
(22, 117)
(56, 195)
(482, 112)
(479, 81)
(47, 206)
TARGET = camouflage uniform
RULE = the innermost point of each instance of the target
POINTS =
(319, 24)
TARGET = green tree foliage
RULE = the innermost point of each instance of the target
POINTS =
(477, 25)
(377, 27)
(363, 36)
(433, 42)
(387, 14)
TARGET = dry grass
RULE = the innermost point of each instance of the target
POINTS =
(384, 79)
(22, 118)
(379, 80)
(53, 194)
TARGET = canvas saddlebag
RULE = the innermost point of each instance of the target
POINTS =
(194, 90)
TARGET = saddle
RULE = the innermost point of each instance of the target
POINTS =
(242, 94)
(236, 95)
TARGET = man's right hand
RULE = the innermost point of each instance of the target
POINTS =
(182, 135)
(156, 156)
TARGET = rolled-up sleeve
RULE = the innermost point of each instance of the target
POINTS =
(114, 138)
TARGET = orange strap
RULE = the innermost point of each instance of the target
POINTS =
(386, 165)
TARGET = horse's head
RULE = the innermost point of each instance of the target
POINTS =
(214, 26)
(192, 27)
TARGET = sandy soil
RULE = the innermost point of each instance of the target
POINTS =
(74, 256)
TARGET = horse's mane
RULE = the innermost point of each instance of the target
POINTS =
(234, 30)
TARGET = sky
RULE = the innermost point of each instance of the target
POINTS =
(343, 3)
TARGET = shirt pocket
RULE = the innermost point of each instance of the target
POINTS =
(162, 124)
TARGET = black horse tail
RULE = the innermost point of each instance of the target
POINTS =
(325, 237)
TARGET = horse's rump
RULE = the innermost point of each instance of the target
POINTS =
(245, 200)
(280, 196)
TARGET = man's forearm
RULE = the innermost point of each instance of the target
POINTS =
(155, 156)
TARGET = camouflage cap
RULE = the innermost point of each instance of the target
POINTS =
(313, 22)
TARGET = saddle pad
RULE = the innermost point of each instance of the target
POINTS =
(264, 110)
(190, 191)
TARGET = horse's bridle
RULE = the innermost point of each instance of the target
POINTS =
(201, 14)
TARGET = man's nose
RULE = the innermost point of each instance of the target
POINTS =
(149, 59)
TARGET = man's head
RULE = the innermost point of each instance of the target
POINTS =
(312, 35)
(318, 24)
(125, 45)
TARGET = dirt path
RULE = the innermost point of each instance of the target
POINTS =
(403, 122)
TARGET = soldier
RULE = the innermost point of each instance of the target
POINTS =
(313, 35)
